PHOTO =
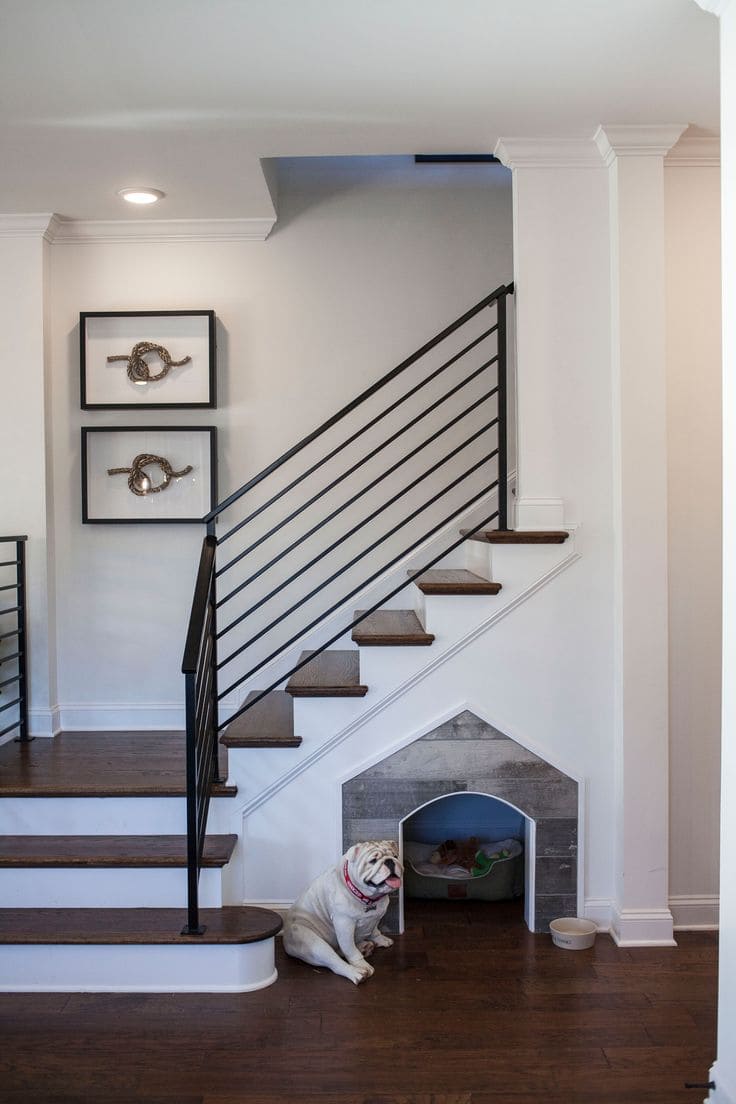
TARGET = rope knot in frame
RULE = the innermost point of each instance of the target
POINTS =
(139, 371)
(139, 483)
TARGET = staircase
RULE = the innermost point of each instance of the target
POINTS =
(108, 834)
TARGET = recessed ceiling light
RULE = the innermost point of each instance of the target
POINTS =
(141, 195)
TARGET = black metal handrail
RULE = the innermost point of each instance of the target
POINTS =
(17, 641)
(201, 662)
(199, 667)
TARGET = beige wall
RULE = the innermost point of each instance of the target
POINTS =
(692, 198)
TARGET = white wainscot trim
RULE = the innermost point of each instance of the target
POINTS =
(540, 513)
(642, 927)
(695, 913)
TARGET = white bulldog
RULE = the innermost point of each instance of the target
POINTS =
(341, 910)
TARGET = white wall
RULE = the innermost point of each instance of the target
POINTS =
(24, 429)
(366, 262)
(692, 223)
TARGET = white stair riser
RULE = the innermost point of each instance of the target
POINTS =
(478, 558)
(319, 716)
(106, 887)
(451, 616)
(138, 968)
(385, 667)
(104, 816)
(515, 564)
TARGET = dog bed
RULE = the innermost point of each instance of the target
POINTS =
(503, 879)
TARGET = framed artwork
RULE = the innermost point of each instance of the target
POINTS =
(134, 474)
(147, 359)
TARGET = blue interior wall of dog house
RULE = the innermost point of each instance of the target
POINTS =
(459, 816)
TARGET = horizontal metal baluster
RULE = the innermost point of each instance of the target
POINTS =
(357, 620)
(349, 502)
(351, 532)
(358, 433)
(342, 570)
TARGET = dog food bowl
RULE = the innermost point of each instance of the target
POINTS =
(572, 933)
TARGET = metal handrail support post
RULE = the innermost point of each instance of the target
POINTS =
(201, 754)
(21, 633)
(502, 399)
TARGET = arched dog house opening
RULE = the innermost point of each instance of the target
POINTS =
(468, 756)
(505, 851)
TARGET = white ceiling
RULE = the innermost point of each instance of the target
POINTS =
(188, 95)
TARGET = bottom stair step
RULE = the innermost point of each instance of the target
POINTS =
(136, 950)
(232, 924)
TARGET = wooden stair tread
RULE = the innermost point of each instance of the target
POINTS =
(101, 764)
(270, 723)
(110, 851)
(232, 924)
(391, 627)
(331, 674)
(455, 581)
(517, 536)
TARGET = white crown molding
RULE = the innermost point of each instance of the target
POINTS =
(694, 153)
(548, 153)
(637, 141)
(27, 226)
(112, 231)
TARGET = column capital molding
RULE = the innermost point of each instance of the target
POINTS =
(694, 153)
(28, 226)
(715, 7)
(645, 140)
(548, 153)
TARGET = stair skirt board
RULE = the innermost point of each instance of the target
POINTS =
(137, 968)
(105, 887)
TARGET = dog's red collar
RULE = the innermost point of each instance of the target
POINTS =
(354, 889)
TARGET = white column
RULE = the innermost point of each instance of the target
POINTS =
(24, 433)
(724, 1070)
(634, 156)
(561, 302)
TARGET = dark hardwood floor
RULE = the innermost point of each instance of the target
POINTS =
(467, 1008)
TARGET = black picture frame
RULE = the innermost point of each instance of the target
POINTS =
(107, 386)
(195, 492)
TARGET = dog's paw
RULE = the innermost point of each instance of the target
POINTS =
(367, 947)
(381, 940)
(360, 971)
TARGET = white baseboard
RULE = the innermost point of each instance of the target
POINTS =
(125, 716)
(281, 907)
(642, 927)
(693, 913)
(598, 909)
(44, 722)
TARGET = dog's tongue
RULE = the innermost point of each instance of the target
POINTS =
(393, 882)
